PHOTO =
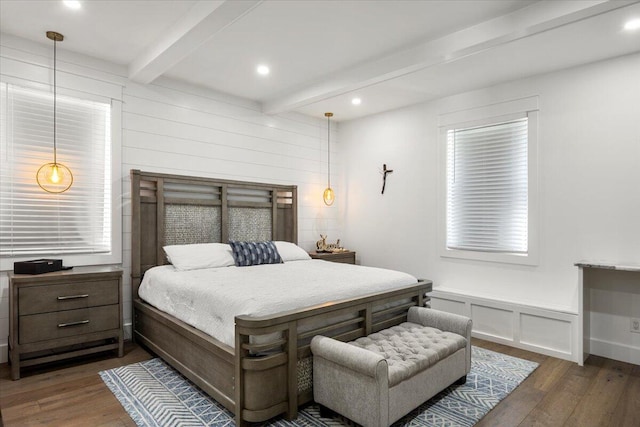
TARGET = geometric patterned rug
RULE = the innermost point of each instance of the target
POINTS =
(153, 394)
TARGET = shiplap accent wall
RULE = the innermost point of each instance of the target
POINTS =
(172, 127)
(175, 128)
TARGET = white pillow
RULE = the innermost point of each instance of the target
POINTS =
(291, 252)
(199, 255)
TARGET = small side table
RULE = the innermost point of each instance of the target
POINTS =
(348, 257)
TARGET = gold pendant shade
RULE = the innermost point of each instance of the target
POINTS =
(328, 196)
(54, 177)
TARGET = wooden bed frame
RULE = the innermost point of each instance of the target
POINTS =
(254, 381)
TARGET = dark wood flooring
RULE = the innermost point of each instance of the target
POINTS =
(559, 393)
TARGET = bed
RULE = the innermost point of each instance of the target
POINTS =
(254, 378)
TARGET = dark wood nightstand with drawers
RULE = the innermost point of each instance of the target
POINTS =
(347, 257)
(64, 314)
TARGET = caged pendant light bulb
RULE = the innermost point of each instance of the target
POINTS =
(328, 196)
(54, 177)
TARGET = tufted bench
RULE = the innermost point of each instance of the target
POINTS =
(377, 379)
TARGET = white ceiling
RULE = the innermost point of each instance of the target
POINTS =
(390, 53)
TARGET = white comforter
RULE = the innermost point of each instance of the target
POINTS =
(209, 299)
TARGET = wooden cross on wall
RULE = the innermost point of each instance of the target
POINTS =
(385, 171)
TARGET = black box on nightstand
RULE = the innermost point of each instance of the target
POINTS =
(37, 266)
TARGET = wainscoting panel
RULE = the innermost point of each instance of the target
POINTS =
(541, 330)
(450, 306)
(492, 321)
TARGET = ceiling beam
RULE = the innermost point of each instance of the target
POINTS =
(203, 21)
(534, 19)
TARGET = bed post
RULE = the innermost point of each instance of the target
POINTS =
(135, 240)
(224, 213)
(292, 371)
(159, 221)
(241, 353)
(294, 214)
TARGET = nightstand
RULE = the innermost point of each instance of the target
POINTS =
(348, 257)
(64, 314)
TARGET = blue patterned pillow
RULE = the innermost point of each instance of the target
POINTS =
(254, 253)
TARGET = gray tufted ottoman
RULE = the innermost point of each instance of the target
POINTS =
(378, 379)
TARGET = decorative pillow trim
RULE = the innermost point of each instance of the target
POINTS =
(254, 253)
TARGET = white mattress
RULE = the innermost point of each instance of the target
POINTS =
(209, 299)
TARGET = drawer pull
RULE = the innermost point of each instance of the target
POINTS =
(64, 325)
(73, 297)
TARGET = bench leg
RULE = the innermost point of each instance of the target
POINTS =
(461, 380)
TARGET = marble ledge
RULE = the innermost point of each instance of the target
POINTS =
(607, 266)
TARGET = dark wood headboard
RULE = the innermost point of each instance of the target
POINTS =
(174, 209)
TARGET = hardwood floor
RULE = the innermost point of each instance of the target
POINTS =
(604, 392)
(559, 393)
(66, 393)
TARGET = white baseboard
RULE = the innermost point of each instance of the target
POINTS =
(541, 330)
(615, 351)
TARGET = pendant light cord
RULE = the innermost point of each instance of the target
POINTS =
(55, 96)
(329, 151)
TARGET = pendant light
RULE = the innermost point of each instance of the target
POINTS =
(328, 196)
(54, 177)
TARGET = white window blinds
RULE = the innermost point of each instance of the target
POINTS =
(487, 188)
(33, 222)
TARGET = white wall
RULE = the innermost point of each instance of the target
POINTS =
(174, 128)
(589, 193)
(589, 180)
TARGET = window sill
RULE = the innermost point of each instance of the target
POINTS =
(504, 258)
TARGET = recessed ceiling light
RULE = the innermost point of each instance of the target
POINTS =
(633, 24)
(263, 70)
(356, 101)
(72, 4)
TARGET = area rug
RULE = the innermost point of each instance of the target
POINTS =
(153, 394)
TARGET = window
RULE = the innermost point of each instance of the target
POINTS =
(487, 188)
(490, 183)
(33, 222)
